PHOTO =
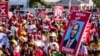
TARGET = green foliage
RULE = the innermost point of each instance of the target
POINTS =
(33, 3)
(97, 2)
(37, 3)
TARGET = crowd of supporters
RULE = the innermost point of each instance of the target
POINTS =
(40, 35)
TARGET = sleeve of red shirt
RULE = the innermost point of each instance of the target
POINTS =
(39, 52)
(16, 54)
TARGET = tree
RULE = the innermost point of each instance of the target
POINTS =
(45, 4)
(97, 3)
(33, 3)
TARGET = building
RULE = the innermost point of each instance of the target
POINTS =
(88, 5)
(18, 3)
(51, 0)
(83, 4)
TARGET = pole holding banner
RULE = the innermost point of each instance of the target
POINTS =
(69, 5)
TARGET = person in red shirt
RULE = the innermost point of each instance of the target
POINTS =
(39, 51)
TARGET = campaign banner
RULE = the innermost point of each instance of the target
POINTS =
(41, 13)
(74, 8)
(72, 37)
(86, 34)
(3, 9)
(58, 10)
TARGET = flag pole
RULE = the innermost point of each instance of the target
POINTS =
(69, 5)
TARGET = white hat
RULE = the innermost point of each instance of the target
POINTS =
(24, 21)
(53, 34)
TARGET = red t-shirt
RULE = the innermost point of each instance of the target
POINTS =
(39, 52)
(16, 54)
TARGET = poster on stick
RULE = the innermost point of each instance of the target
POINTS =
(72, 37)
(3, 9)
(58, 10)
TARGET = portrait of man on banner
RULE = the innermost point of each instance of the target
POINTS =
(72, 36)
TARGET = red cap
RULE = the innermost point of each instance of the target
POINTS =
(39, 52)
(53, 28)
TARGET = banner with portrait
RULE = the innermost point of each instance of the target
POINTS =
(73, 34)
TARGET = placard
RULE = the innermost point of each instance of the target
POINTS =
(73, 34)
(3, 9)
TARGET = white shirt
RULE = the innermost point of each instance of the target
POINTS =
(39, 43)
(17, 48)
(13, 29)
(48, 43)
(84, 49)
(30, 28)
(4, 40)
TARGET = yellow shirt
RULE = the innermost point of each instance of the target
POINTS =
(94, 45)
(1, 52)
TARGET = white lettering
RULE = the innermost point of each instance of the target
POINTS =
(68, 49)
(77, 18)
(2, 11)
(80, 14)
